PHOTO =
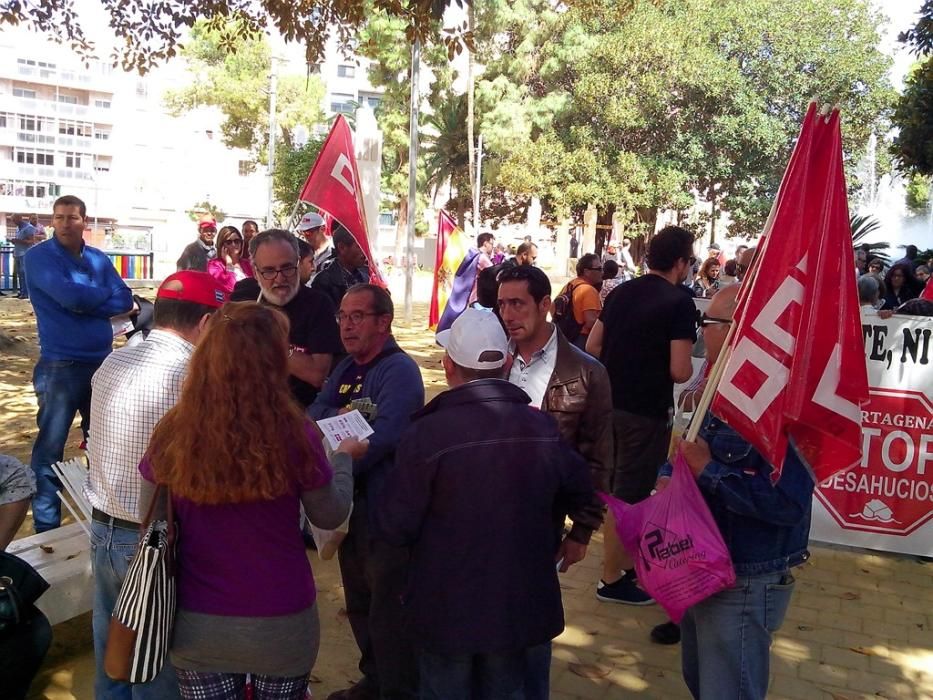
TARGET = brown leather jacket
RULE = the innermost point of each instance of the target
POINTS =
(578, 396)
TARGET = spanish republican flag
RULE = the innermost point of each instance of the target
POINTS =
(452, 247)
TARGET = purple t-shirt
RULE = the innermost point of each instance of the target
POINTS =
(246, 559)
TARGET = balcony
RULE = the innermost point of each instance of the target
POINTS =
(20, 171)
(51, 108)
(80, 78)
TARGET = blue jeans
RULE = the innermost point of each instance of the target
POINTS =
(726, 639)
(500, 676)
(112, 550)
(19, 276)
(63, 388)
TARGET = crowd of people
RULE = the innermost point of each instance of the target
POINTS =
(460, 514)
(900, 287)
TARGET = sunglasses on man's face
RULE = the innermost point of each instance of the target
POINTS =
(706, 321)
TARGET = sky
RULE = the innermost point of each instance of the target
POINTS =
(902, 15)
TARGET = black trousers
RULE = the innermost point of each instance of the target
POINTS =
(22, 650)
(374, 576)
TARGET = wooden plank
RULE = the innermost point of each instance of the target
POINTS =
(63, 549)
(67, 569)
(49, 537)
(72, 589)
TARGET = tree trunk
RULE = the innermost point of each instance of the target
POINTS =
(461, 213)
(604, 235)
(712, 220)
(471, 84)
(648, 216)
(401, 231)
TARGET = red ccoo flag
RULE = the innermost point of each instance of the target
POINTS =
(333, 186)
(796, 370)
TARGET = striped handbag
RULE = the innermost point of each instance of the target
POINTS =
(141, 627)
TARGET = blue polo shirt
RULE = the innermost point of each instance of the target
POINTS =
(74, 298)
(24, 231)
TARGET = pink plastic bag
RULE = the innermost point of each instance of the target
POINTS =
(680, 557)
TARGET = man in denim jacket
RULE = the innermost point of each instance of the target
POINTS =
(727, 637)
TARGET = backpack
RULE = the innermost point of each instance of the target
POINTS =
(562, 313)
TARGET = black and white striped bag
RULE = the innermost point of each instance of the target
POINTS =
(141, 627)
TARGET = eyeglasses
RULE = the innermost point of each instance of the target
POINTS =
(354, 317)
(595, 269)
(706, 321)
(286, 272)
(233, 241)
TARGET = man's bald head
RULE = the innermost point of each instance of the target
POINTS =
(745, 261)
(718, 320)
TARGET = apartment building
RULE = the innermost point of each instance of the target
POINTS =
(104, 135)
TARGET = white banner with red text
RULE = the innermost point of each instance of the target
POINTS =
(886, 502)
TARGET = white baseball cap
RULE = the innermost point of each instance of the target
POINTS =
(310, 220)
(472, 336)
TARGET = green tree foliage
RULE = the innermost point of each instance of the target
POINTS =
(862, 227)
(913, 146)
(383, 40)
(292, 165)
(205, 207)
(238, 83)
(918, 195)
(150, 32)
(638, 110)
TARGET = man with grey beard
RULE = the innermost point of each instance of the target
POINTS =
(313, 337)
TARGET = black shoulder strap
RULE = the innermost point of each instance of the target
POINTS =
(387, 352)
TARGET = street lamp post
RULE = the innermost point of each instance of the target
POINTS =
(412, 176)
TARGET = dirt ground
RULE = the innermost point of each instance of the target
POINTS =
(68, 672)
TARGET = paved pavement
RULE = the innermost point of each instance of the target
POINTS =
(860, 625)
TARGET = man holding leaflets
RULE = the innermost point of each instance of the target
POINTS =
(385, 385)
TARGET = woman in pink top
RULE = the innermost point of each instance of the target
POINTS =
(231, 263)
(239, 458)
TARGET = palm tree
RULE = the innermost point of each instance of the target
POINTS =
(447, 159)
(862, 226)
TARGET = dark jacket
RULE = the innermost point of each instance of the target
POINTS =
(334, 280)
(194, 257)
(480, 478)
(394, 384)
(579, 397)
(765, 526)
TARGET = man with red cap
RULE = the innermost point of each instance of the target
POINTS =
(196, 255)
(132, 390)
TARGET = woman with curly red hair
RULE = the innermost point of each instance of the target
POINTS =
(238, 457)
(707, 280)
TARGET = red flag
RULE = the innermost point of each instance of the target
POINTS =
(333, 186)
(797, 368)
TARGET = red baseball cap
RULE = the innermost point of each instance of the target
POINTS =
(196, 287)
(207, 221)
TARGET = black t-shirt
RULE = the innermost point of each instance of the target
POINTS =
(351, 383)
(313, 328)
(641, 318)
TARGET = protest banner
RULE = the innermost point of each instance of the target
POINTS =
(885, 502)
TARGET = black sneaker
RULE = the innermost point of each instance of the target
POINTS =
(666, 633)
(625, 590)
